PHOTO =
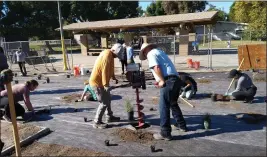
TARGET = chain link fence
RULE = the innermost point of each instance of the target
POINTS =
(41, 54)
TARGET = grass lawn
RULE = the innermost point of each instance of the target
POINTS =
(234, 43)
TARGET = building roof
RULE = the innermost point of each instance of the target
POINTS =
(152, 21)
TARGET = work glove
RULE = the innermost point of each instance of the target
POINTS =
(228, 94)
(6, 76)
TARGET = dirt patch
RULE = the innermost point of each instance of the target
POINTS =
(207, 81)
(139, 136)
(42, 149)
(25, 130)
(71, 97)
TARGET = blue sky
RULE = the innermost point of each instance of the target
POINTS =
(219, 4)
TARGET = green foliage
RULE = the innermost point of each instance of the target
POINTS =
(40, 18)
(140, 11)
(222, 16)
(155, 9)
(128, 106)
(180, 7)
(251, 12)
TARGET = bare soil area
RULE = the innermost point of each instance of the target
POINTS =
(71, 97)
(25, 130)
(207, 81)
(139, 136)
(42, 149)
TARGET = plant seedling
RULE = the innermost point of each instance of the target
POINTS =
(206, 121)
(68, 76)
(106, 142)
(152, 148)
(16, 81)
(39, 77)
(85, 119)
(128, 106)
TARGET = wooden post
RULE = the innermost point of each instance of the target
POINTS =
(13, 119)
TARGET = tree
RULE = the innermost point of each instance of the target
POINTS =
(103, 10)
(140, 11)
(222, 16)
(180, 7)
(155, 9)
(40, 18)
(253, 13)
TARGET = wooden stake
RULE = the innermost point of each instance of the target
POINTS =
(188, 103)
(13, 119)
(233, 78)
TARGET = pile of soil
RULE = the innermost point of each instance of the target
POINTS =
(42, 149)
(71, 97)
(207, 81)
(25, 130)
(139, 136)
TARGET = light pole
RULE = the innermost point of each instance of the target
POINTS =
(62, 38)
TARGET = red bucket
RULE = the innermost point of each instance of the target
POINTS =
(190, 63)
(76, 71)
(196, 65)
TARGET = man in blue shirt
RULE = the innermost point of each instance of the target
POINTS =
(169, 83)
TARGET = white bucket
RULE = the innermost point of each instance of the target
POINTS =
(84, 71)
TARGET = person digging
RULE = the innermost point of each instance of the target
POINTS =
(169, 83)
(245, 90)
(189, 87)
(102, 72)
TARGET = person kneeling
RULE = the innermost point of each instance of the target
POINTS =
(21, 92)
(87, 88)
(189, 87)
(245, 89)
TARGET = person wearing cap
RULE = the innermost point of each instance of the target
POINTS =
(169, 83)
(102, 72)
(245, 89)
(20, 57)
(189, 87)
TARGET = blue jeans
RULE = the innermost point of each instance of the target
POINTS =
(168, 100)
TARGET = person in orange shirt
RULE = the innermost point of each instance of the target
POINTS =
(101, 74)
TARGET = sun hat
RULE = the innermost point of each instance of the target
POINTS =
(141, 54)
(118, 50)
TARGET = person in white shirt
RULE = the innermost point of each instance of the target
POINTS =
(20, 57)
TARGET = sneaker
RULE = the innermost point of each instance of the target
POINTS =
(249, 100)
(100, 125)
(176, 126)
(5, 117)
(158, 136)
(112, 119)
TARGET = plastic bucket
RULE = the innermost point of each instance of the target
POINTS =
(84, 71)
(76, 71)
(190, 63)
(196, 65)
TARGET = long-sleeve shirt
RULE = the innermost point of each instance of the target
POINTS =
(20, 56)
(103, 70)
(243, 83)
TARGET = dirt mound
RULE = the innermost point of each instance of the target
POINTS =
(71, 97)
(139, 136)
(25, 131)
(42, 149)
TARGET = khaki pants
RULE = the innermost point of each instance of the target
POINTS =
(104, 99)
